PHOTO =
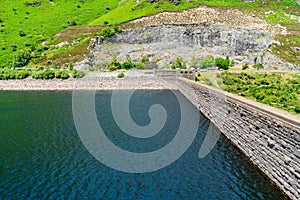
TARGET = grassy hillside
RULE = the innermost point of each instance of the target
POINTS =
(31, 27)
(129, 10)
(24, 24)
(277, 89)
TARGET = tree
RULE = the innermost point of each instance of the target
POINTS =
(207, 62)
(222, 63)
(178, 63)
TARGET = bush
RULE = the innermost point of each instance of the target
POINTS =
(258, 66)
(222, 63)
(63, 74)
(128, 65)
(140, 65)
(112, 68)
(37, 74)
(48, 74)
(21, 74)
(21, 59)
(22, 34)
(71, 66)
(107, 32)
(117, 29)
(207, 62)
(245, 66)
(13, 47)
(77, 74)
(114, 62)
(106, 22)
(297, 109)
(121, 75)
(144, 60)
(178, 63)
(72, 23)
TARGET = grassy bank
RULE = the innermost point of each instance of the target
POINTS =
(280, 90)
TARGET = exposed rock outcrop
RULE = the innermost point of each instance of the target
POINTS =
(192, 34)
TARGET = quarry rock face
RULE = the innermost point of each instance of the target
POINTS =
(191, 35)
(163, 43)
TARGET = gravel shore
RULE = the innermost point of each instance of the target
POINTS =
(93, 81)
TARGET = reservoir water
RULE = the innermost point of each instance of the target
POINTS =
(42, 156)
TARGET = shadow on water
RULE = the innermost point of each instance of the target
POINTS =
(41, 155)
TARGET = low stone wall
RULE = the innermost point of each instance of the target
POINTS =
(269, 137)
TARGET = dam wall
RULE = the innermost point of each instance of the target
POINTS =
(269, 137)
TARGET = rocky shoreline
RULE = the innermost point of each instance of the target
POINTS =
(93, 81)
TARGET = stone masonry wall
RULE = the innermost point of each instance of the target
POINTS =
(268, 138)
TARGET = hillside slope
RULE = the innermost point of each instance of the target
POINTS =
(26, 23)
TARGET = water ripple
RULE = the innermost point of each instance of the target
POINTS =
(41, 157)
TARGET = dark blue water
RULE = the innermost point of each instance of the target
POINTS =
(42, 157)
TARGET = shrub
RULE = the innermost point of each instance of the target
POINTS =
(245, 66)
(207, 62)
(112, 68)
(117, 29)
(12, 74)
(121, 75)
(72, 23)
(128, 65)
(22, 33)
(63, 74)
(297, 109)
(114, 62)
(21, 74)
(37, 74)
(258, 66)
(144, 60)
(178, 63)
(222, 63)
(140, 65)
(106, 22)
(77, 74)
(21, 59)
(107, 32)
(48, 74)
(71, 66)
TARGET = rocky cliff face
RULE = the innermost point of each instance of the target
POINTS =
(194, 34)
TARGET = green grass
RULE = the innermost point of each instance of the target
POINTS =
(41, 22)
(296, 39)
(275, 89)
(128, 10)
(280, 18)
